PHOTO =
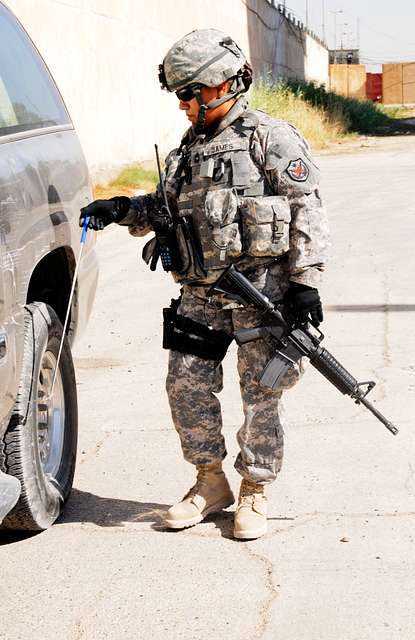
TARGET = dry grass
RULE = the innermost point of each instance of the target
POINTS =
(314, 123)
(103, 192)
(128, 181)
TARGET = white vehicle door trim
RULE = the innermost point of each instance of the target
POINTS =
(35, 132)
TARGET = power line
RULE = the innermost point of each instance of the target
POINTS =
(262, 21)
(387, 35)
(389, 57)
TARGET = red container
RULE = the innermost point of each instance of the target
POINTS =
(374, 87)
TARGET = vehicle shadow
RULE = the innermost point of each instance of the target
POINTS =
(12, 537)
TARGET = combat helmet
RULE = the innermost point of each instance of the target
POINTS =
(205, 57)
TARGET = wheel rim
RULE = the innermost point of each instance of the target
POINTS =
(50, 416)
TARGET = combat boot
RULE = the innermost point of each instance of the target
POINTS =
(210, 494)
(251, 512)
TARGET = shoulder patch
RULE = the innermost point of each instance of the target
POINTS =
(298, 170)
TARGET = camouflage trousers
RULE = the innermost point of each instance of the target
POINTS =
(192, 384)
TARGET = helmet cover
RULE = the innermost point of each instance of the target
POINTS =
(204, 56)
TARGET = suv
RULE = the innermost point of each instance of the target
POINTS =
(44, 182)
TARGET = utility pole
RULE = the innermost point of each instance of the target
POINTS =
(323, 25)
(335, 32)
(306, 14)
(343, 34)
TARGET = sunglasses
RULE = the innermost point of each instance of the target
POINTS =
(188, 93)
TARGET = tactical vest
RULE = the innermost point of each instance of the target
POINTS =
(227, 212)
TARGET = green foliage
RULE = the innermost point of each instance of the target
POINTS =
(135, 176)
(397, 112)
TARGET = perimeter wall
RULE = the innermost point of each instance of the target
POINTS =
(104, 56)
(348, 80)
(399, 83)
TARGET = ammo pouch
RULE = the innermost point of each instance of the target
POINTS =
(254, 226)
(188, 336)
(222, 241)
(265, 225)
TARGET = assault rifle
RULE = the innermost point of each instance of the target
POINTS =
(293, 343)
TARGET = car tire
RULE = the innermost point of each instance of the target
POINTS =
(39, 447)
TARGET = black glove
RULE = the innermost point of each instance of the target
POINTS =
(103, 212)
(303, 304)
(161, 221)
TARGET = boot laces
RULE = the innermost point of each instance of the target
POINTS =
(201, 481)
(249, 491)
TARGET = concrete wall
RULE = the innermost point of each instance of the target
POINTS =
(281, 47)
(104, 56)
(399, 83)
(348, 80)
(317, 61)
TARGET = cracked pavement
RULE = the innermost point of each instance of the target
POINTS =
(338, 562)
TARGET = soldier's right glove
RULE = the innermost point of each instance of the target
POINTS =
(104, 212)
(304, 304)
(161, 221)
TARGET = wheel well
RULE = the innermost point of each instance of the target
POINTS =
(51, 281)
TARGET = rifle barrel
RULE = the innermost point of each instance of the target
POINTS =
(379, 416)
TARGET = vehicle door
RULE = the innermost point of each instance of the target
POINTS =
(32, 116)
(8, 321)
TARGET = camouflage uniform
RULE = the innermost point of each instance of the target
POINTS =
(251, 189)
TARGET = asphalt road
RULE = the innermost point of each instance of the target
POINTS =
(338, 562)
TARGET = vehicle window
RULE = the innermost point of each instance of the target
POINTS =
(28, 96)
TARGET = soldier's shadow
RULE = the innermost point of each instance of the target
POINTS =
(224, 522)
(115, 512)
(83, 506)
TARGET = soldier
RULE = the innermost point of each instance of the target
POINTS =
(243, 189)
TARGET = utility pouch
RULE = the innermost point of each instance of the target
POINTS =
(188, 336)
(224, 240)
(265, 225)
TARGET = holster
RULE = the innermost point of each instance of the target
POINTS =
(188, 336)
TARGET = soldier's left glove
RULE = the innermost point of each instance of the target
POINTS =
(303, 304)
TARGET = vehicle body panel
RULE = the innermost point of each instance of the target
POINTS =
(44, 182)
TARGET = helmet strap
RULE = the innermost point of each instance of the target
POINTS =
(200, 124)
(213, 104)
